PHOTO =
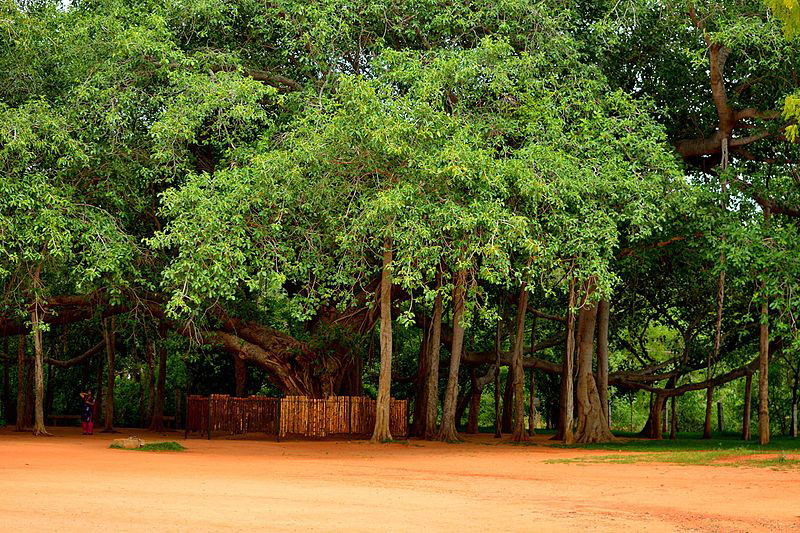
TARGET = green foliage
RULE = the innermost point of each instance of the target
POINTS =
(166, 446)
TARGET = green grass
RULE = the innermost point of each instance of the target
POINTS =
(631, 442)
(732, 457)
(724, 449)
(168, 446)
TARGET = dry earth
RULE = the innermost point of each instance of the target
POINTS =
(70, 482)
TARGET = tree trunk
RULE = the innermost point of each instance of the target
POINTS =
(709, 408)
(794, 419)
(432, 379)
(673, 430)
(602, 356)
(447, 430)
(655, 416)
(21, 383)
(763, 377)
(565, 405)
(157, 423)
(240, 374)
(109, 336)
(720, 417)
(381, 433)
(592, 424)
(38, 422)
(519, 432)
(748, 390)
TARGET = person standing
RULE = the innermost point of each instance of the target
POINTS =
(87, 412)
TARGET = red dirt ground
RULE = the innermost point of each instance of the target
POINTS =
(71, 482)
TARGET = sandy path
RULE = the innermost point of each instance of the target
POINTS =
(69, 482)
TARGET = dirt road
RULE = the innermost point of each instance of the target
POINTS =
(69, 482)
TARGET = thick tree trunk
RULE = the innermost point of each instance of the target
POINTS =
(519, 433)
(655, 415)
(381, 433)
(592, 424)
(157, 422)
(565, 432)
(109, 336)
(763, 377)
(20, 422)
(602, 356)
(709, 409)
(240, 374)
(748, 391)
(447, 430)
(432, 377)
(673, 429)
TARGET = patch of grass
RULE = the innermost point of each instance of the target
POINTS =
(690, 441)
(729, 457)
(168, 446)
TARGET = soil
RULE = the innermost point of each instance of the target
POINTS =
(69, 482)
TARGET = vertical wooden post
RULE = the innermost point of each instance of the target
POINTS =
(208, 422)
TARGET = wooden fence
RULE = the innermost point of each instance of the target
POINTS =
(292, 415)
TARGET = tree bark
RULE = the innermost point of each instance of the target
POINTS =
(565, 432)
(109, 337)
(157, 422)
(447, 430)
(763, 376)
(748, 388)
(709, 410)
(592, 424)
(673, 429)
(519, 433)
(382, 433)
(20, 422)
(38, 353)
(720, 417)
(602, 356)
(240, 374)
(432, 377)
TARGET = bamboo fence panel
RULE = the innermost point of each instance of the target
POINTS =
(292, 415)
